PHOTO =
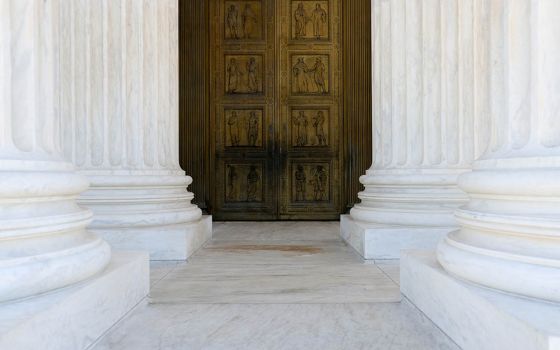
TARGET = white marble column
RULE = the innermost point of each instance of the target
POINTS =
(509, 236)
(120, 124)
(424, 127)
(510, 229)
(43, 241)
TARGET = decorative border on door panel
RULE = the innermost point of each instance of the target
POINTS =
(310, 21)
(244, 185)
(244, 182)
(243, 128)
(310, 182)
(244, 74)
(310, 74)
(309, 187)
(245, 22)
(311, 128)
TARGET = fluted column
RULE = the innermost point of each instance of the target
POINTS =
(510, 229)
(424, 127)
(43, 241)
(121, 120)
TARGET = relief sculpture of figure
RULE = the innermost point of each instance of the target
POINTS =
(301, 179)
(233, 123)
(232, 22)
(319, 183)
(301, 19)
(318, 124)
(300, 71)
(253, 129)
(319, 72)
(252, 72)
(319, 18)
(233, 76)
(249, 20)
(300, 122)
(253, 179)
(232, 178)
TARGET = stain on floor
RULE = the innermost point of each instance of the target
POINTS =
(271, 247)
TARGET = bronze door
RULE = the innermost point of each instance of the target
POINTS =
(275, 109)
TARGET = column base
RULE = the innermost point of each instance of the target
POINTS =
(74, 317)
(170, 242)
(476, 317)
(382, 242)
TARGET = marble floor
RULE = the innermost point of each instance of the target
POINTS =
(275, 285)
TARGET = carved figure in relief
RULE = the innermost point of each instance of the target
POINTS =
(253, 179)
(301, 19)
(249, 20)
(232, 20)
(233, 76)
(301, 182)
(319, 18)
(231, 179)
(300, 121)
(253, 129)
(300, 71)
(233, 123)
(318, 124)
(252, 73)
(319, 183)
(319, 73)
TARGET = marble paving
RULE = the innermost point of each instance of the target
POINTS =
(281, 285)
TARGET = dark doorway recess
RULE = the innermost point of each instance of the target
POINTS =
(275, 106)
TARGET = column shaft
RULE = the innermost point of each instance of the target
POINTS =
(423, 120)
(122, 132)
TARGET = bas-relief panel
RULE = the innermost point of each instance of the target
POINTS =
(310, 74)
(310, 182)
(310, 127)
(243, 127)
(243, 20)
(310, 20)
(244, 74)
(244, 182)
(276, 82)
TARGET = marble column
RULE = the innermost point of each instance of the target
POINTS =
(424, 127)
(119, 114)
(510, 229)
(495, 282)
(43, 241)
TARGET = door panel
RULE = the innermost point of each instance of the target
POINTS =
(309, 110)
(245, 168)
(276, 108)
(242, 109)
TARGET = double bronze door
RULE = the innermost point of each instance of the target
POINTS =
(275, 109)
